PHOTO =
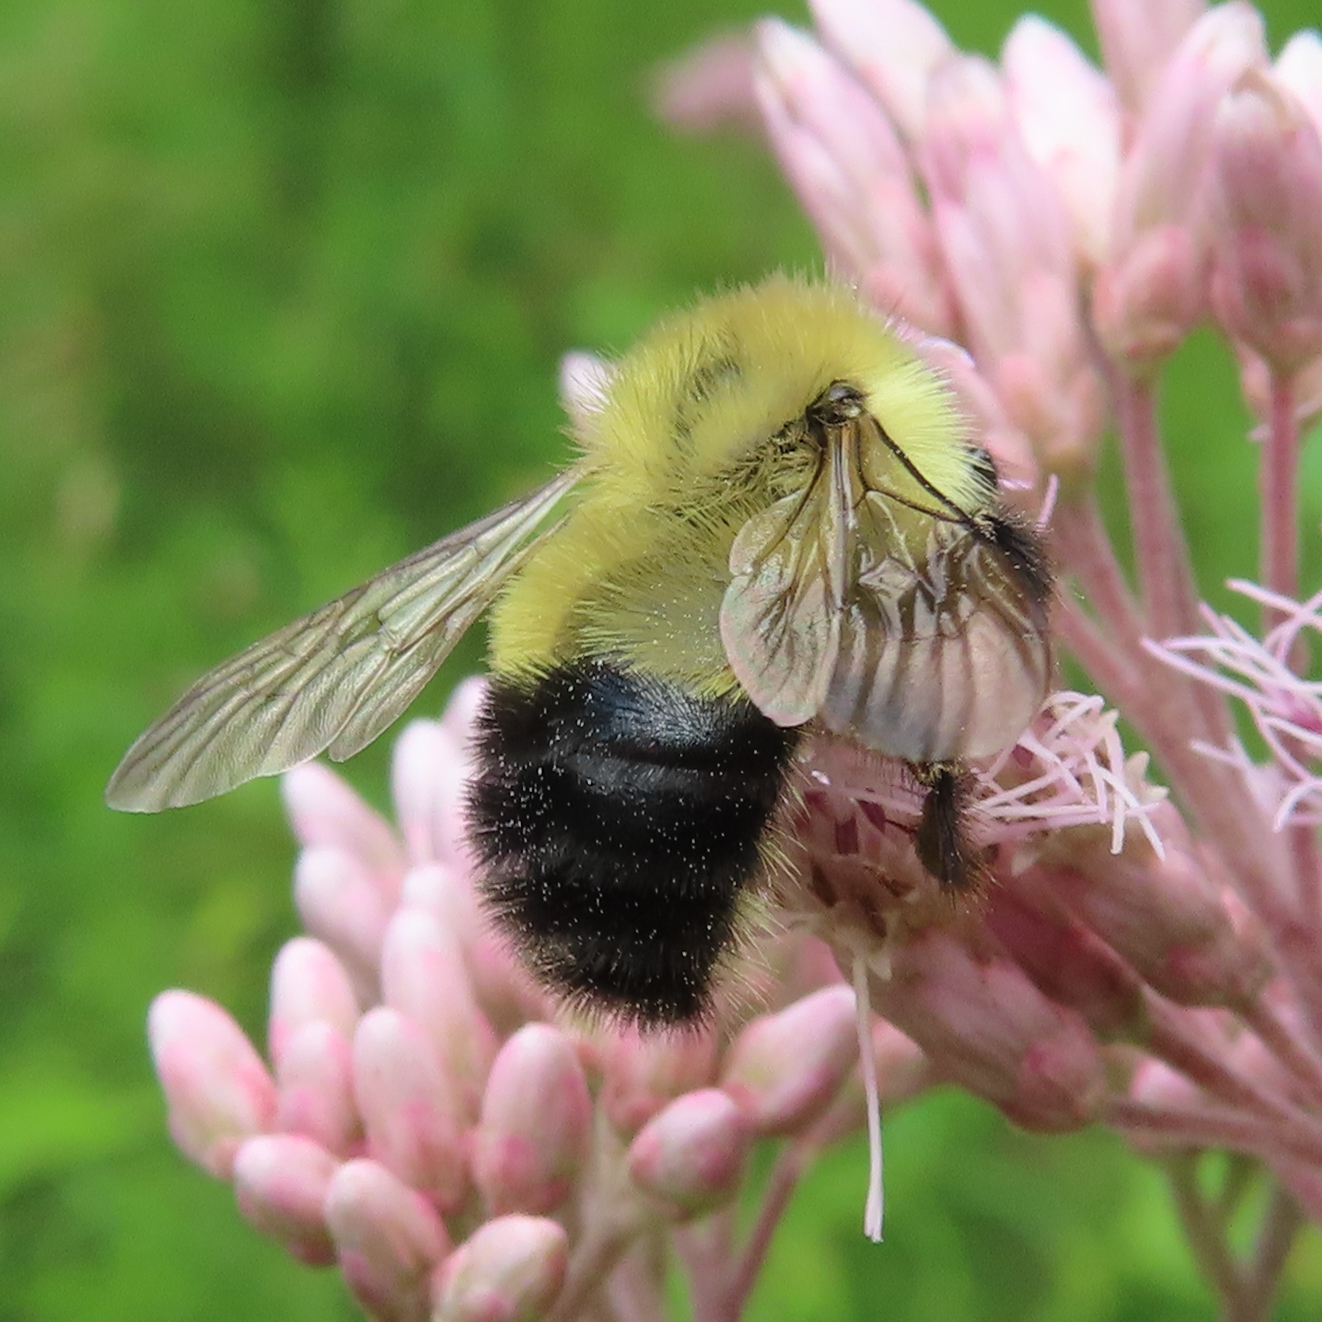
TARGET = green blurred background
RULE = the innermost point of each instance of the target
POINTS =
(283, 286)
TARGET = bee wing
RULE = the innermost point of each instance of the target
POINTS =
(942, 655)
(919, 638)
(336, 678)
(780, 617)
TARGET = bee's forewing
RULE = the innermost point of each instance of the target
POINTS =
(943, 655)
(336, 678)
(917, 637)
(777, 626)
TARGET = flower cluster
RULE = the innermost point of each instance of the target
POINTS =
(429, 1120)
(1143, 953)
(1069, 226)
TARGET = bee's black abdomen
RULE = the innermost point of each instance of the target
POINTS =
(617, 819)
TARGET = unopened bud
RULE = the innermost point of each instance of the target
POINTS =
(536, 1127)
(1187, 937)
(314, 1078)
(1266, 175)
(424, 976)
(218, 1089)
(280, 1183)
(646, 1071)
(784, 1068)
(326, 812)
(510, 1270)
(308, 985)
(690, 1157)
(409, 1107)
(339, 902)
(1068, 962)
(985, 1026)
(427, 779)
(388, 1238)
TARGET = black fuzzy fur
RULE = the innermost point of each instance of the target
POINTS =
(618, 819)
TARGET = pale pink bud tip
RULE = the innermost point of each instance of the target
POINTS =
(219, 1091)
(510, 1270)
(326, 812)
(784, 1068)
(409, 1106)
(280, 1182)
(709, 87)
(691, 1156)
(315, 1082)
(308, 985)
(536, 1124)
(423, 975)
(388, 1237)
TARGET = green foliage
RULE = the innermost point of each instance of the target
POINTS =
(283, 287)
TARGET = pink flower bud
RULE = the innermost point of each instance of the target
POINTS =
(1138, 38)
(409, 1106)
(308, 985)
(424, 976)
(986, 1027)
(986, 414)
(708, 88)
(690, 1157)
(851, 174)
(1068, 117)
(314, 1078)
(388, 1238)
(326, 812)
(536, 1127)
(1154, 286)
(1187, 937)
(894, 45)
(783, 1069)
(1147, 303)
(280, 1182)
(1006, 240)
(1068, 962)
(646, 1071)
(509, 1270)
(1266, 197)
(1298, 69)
(218, 1090)
(339, 903)
(427, 781)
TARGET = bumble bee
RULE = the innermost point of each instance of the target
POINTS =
(778, 517)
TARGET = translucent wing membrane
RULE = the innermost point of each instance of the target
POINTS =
(336, 678)
(908, 628)
(780, 619)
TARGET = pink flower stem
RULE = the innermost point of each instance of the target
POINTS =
(1170, 596)
(1205, 1227)
(1279, 485)
(1169, 1039)
(1280, 1228)
(1216, 1127)
(1084, 545)
(1297, 1056)
(612, 1229)
(794, 1159)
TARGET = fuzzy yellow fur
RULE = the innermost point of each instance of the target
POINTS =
(682, 454)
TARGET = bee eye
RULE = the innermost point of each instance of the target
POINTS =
(837, 404)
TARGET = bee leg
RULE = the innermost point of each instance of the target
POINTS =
(942, 842)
